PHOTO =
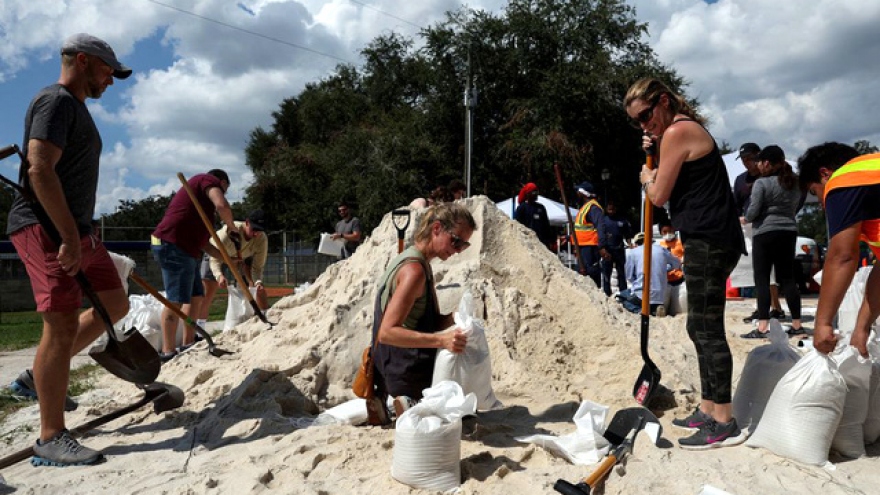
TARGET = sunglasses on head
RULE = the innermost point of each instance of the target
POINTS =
(457, 242)
(645, 115)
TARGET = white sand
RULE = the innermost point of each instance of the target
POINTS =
(555, 340)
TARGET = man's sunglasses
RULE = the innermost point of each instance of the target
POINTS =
(457, 242)
(645, 115)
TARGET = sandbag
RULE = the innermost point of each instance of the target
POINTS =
(678, 299)
(472, 369)
(763, 369)
(804, 411)
(427, 439)
(852, 302)
(871, 428)
(124, 266)
(585, 445)
(238, 309)
(849, 440)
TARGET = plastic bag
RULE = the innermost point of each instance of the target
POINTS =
(472, 369)
(764, 367)
(145, 314)
(852, 302)
(238, 309)
(427, 439)
(124, 266)
(584, 446)
(803, 412)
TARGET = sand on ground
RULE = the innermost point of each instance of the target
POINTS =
(555, 341)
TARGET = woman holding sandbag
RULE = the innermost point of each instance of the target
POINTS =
(409, 332)
(691, 176)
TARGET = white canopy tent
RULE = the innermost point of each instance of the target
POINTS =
(555, 211)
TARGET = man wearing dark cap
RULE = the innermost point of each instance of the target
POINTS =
(742, 185)
(588, 229)
(63, 148)
(253, 248)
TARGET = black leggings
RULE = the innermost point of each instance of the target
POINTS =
(775, 250)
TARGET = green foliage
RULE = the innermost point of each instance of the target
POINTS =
(20, 330)
(134, 220)
(550, 76)
(811, 223)
(865, 147)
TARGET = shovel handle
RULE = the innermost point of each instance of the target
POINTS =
(232, 267)
(174, 309)
(649, 231)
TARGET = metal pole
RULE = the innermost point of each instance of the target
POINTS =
(284, 256)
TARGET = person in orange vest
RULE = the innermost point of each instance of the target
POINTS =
(588, 230)
(848, 186)
(669, 240)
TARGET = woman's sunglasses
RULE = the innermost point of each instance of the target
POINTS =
(457, 242)
(645, 115)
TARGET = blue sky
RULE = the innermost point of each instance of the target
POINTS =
(765, 71)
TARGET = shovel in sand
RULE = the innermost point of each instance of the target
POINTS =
(621, 434)
(132, 358)
(400, 219)
(647, 383)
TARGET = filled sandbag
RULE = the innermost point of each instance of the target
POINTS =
(124, 266)
(427, 439)
(238, 309)
(852, 302)
(763, 369)
(849, 439)
(472, 369)
(871, 428)
(804, 411)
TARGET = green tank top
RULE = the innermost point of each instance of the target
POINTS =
(390, 284)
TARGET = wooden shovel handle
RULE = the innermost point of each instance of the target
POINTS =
(649, 231)
(601, 471)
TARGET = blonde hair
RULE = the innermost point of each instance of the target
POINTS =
(648, 89)
(448, 214)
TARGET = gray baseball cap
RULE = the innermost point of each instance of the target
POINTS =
(91, 45)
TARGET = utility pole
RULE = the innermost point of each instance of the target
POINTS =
(470, 101)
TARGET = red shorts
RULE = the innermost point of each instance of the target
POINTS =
(54, 290)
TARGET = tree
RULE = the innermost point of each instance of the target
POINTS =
(551, 76)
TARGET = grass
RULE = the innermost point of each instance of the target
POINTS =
(22, 329)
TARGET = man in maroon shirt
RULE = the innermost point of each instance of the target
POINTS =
(178, 242)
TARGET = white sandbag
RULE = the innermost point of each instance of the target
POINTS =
(849, 440)
(803, 412)
(852, 301)
(238, 309)
(145, 314)
(124, 266)
(329, 246)
(583, 447)
(427, 439)
(678, 300)
(472, 369)
(764, 367)
(871, 428)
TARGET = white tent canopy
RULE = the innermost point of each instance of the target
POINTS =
(555, 211)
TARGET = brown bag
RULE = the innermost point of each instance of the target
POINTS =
(363, 381)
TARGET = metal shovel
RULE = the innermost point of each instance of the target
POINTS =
(132, 358)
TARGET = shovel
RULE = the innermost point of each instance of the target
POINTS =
(132, 359)
(577, 247)
(621, 434)
(212, 348)
(164, 397)
(647, 383)
(400, 218)
(232, 267)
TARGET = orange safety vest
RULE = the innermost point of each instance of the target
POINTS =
(860, 171)
(586, 233)
(677, 250)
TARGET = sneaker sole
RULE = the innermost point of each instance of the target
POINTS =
(727, 442)
(38, 461)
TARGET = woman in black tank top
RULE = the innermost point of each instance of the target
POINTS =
(691, 176)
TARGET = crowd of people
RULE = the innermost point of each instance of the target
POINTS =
(700, 247)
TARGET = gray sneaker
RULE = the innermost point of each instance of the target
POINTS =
(64, 450)
(23, 386)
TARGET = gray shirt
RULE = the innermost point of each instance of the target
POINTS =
(772, 207)
(349, 226)
(56, 116)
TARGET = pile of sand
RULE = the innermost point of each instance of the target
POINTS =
(555, 340)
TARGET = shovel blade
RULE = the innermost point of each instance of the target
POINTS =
(625, 420)
(647, 384)
(133, 359)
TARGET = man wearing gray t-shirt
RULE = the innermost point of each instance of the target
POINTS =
(63, 147)
(348, 230)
